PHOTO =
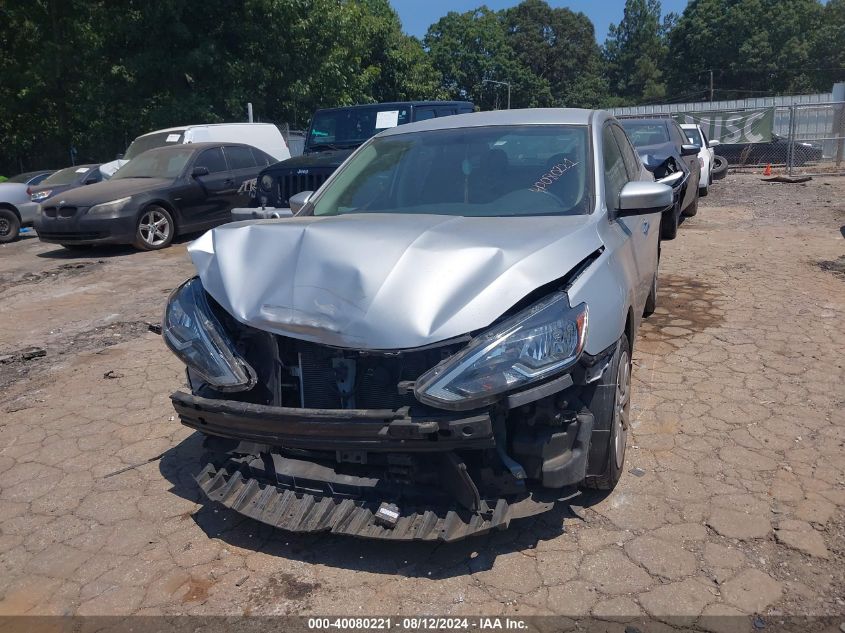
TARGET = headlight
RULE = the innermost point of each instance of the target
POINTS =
(194, 334)
(266, 182)
(38, 196)
(534, 344)
(107, 208)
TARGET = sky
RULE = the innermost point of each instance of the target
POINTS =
(418, 15)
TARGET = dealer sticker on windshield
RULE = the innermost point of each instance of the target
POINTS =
(386, 119)
(171, 138)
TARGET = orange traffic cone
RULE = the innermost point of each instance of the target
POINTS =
(768, 170)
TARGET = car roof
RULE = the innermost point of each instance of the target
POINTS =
(182, 128)
(527, 116)
(398, 104)
(196, 146)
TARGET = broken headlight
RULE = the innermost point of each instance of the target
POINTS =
(534, 344)
(194, 334)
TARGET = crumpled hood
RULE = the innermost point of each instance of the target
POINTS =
(385, 281)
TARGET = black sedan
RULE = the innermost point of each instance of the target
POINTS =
(666, 152)
(775, 151)
(162, 193)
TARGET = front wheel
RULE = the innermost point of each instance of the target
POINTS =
(692, 209)
(611, 408)
(669, 224)
(10, 226)
(155, 229)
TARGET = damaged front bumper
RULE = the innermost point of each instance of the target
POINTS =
(381, 473)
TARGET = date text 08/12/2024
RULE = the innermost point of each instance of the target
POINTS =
(419, 623)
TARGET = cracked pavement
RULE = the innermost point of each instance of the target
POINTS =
(738, 442)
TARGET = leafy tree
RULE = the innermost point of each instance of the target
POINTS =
(468, 48)
(635, 53)
(754, 47)
(558, 49)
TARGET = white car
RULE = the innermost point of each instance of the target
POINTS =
(706, 156)
(264, 136)
(14, 197)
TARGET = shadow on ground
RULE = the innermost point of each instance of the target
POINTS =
(107, 250)
(414, 559)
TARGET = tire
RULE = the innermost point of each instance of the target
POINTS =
(155, 229)
(10, 226)
(703, 191)
(78, 247)
(651, 300)
(692, 208)
(669, 224)
(720, 168)
(611, 408)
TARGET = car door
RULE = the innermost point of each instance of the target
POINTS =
(636, 229)
(207, 200)
(244, 169)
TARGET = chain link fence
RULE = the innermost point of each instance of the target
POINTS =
(806, 139)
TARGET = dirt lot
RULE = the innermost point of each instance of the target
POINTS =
(738, 447)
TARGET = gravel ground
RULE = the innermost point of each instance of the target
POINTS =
(736, 506)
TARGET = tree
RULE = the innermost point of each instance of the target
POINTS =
(635, 53)
(468, 48)
(557, 48)
(754, 47)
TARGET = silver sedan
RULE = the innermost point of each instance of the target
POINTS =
(438, 341)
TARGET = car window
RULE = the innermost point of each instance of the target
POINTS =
(212, 159)
(677, 134)
(156, 163)
(95, 175)
(615, 175)
(495, 171)
(38, 179)
(629, 155)
(261, 159)
(65, 176)
(692, 136)
(642, 134)
(151, 141)
(445, 111)
(239, 157)
(423, 114)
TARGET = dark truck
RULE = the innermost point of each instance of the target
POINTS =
(333, 135)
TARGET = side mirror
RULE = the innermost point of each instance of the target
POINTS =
(713, 143)
(643, 198)
(299, 200)
(199, 171)
(690, 150)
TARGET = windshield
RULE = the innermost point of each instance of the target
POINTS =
(483, 171)
(162, 163)
(693, 136)
(150, 141)
(646, 133)
(350, 128)
(26, 177)
(65, 176)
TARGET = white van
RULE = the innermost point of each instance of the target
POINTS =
(264, 136)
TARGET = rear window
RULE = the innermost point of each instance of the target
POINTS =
(239, 157)
(646, 133)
